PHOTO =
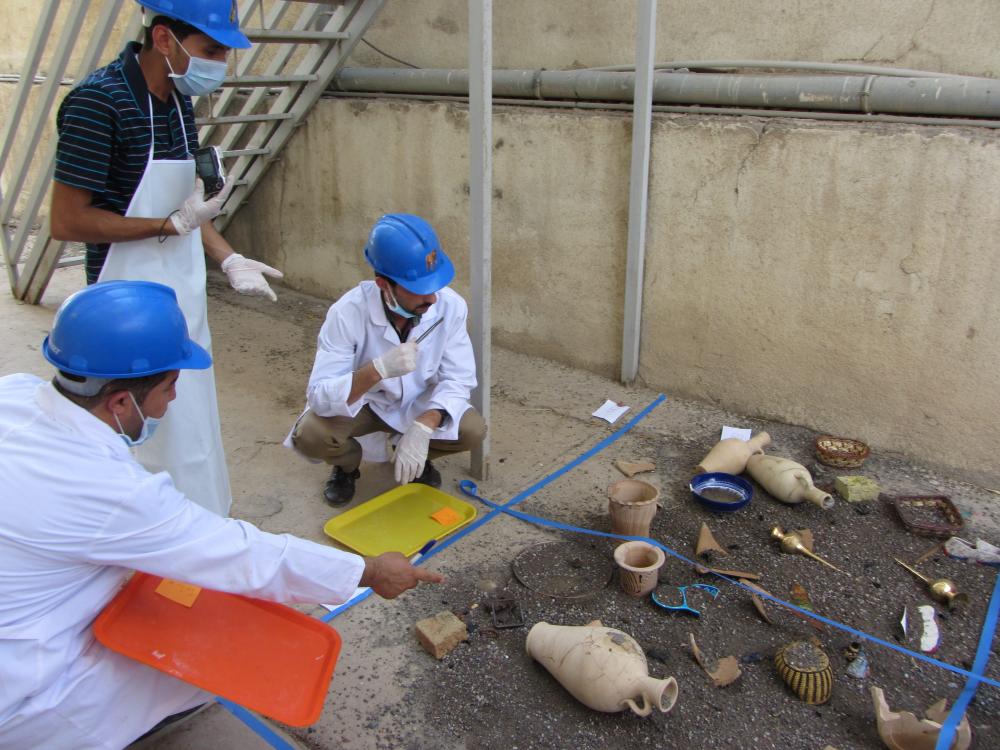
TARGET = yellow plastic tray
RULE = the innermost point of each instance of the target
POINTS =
(398, 521)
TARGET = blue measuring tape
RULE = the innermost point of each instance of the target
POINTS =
(469, 488)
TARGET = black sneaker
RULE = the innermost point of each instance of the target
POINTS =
(430, 476)
(339, 488)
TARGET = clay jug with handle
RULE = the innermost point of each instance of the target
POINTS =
(730, 455)
(787, 481)
(603, 668)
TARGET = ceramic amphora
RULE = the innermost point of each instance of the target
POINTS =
(787, 481)
(730, 455)
(603, 668)
(632, 505)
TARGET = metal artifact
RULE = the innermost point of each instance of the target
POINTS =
(941, 589)
(792, 542)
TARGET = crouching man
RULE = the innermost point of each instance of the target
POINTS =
(372, 375)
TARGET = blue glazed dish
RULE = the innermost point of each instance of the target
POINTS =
(721, 492)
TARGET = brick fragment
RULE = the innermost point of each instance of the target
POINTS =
(856, 489)
(441, 633)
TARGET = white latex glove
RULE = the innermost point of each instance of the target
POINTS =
(411, 453)
(399, 360)
(195, 211)
(246, 276)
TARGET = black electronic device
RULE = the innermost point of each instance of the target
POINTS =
(208, 166)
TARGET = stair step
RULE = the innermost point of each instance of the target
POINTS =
(236, 119)
(281, 35)
(268, 80)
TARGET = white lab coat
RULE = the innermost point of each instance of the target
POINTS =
(357, 331)
(77, 513)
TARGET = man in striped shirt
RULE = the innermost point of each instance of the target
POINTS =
(104, 140)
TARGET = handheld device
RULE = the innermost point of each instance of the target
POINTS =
(208, 166)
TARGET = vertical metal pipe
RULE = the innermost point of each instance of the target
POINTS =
(480, 218)
(642, 109)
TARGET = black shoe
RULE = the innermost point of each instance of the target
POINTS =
(430, 476)
(339, 488)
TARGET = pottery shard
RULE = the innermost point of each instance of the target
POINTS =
(727, 669)
(631, 468)
(441, 633)
(706, 542)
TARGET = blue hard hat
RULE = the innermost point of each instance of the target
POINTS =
(218, 19)
(405, 248)
(122, 329)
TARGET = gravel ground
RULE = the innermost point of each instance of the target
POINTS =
(489, 694)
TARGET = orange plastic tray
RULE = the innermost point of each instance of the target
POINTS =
(264, 656)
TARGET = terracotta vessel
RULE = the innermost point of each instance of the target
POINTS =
(632, 504)
(639, 566)
(730, 455)
(603, 668)
(787, 481)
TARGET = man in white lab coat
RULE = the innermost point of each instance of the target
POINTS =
(371, 374)
(78, 513)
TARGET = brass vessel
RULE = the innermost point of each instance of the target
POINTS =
(792, 542)
(941, 589)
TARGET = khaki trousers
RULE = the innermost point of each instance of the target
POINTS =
(332, 439)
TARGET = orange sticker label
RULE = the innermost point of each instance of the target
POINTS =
(446, 516)
(175, 591)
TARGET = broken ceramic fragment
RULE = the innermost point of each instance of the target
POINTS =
(800, 598)
(726, 671)
(603, 668)
(758, 603)
(902, 730)
(702, 570)
(706, 542)
(930, 636)
(631, 468)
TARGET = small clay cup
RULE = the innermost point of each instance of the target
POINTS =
(639, 566)
(632, 505)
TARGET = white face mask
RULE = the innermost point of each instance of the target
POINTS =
(202, 76)
(149, 425)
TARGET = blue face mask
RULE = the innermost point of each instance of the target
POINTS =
(393, 304)
(149, 425)
(202, 76)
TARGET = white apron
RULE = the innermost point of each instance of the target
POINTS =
(188, 443)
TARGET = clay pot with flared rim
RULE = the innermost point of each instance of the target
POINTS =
(632, 505)
(787, 481)
(730, 455)
(603, 668)
(639, 566)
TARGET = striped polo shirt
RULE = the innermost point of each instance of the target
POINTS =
(104, 137)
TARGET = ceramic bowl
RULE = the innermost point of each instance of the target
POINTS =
(721, 492)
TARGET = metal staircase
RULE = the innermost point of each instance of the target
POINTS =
(299, 45)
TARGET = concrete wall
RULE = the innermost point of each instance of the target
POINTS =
(829, 275)
(925, 34)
